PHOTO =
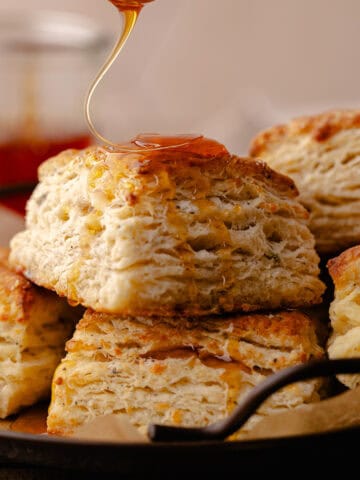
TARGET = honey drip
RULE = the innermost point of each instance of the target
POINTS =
(31, 421)
(231, 365)
(130, 10)
(130, 17)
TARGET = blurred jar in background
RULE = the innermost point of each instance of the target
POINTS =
(47, 60)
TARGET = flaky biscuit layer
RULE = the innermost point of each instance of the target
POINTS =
(168, 233)
(178, 371)
(321, 153)
(34, 326)
(345, 309)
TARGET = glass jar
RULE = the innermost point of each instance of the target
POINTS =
(47, 60)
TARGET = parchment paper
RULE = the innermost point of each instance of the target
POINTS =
(331, 414)
(335, 413)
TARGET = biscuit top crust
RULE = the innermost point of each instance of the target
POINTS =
(159, 337)
(172, 163)
(344, 268)
(319, 127)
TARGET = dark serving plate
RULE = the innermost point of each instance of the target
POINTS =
(321, 453)
(325, 453)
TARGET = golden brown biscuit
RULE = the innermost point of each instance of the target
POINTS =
(34, 326)
(345, 309)
(180, 372)
(167, 232)
(322, 155)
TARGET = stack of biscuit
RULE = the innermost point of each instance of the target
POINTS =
(344, 311)
(190, 263)
(34, 326)
(322, 154)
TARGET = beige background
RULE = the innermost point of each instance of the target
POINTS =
(225, 67)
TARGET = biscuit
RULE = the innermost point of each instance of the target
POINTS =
(321, 154)
(345, 310)
(34, 326)
(190, 372)
(167, 233)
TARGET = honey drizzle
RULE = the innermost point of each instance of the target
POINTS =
(31, 421)
(231, 376)
(130, 17)
(130, 9)
(230, 363)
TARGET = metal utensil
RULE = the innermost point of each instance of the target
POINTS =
(222, 429)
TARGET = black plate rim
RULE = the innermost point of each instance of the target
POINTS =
(76, 457)
(251, 443)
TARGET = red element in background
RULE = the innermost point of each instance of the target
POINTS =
(19, 162)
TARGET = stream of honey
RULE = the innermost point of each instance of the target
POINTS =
(130, 10)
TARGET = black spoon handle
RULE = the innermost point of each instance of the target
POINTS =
(222, 429)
